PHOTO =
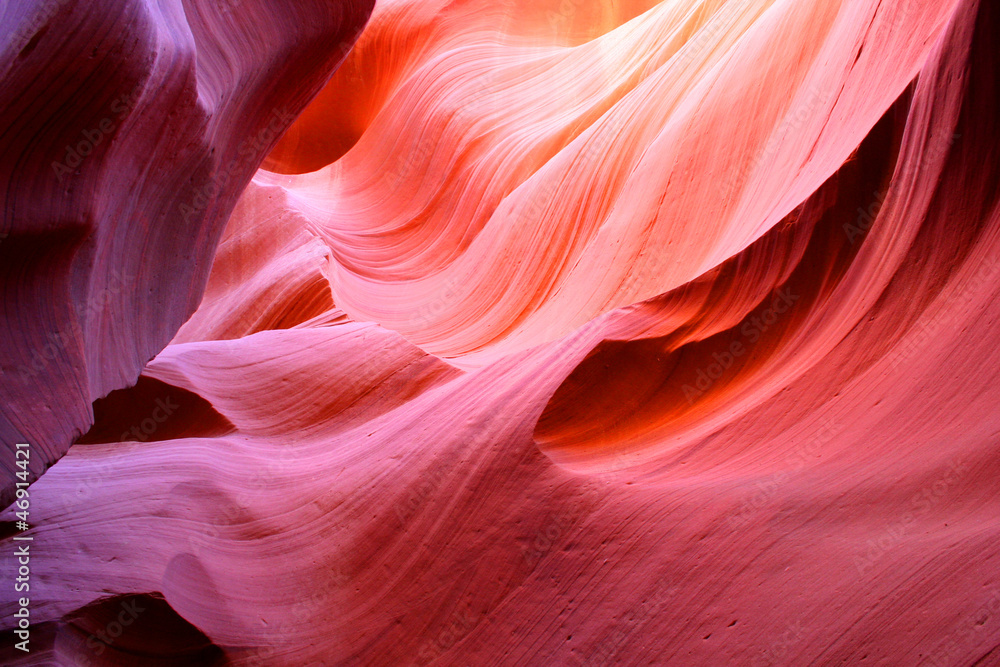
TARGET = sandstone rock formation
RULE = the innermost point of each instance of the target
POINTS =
(560, 333)
(129, 131)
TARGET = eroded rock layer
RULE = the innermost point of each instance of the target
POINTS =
(572, 333)
(129, 130)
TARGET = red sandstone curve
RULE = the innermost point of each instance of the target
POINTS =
(129, 131)
(402, 36)
(505, 223)
(338, 495)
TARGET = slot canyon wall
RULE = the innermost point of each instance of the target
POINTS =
(454, 332)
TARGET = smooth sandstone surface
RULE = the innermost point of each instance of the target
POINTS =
(560, 333)
(129, 130)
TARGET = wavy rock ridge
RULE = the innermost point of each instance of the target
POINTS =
(565, 333)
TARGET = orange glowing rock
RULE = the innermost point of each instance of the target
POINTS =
(560, 333)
